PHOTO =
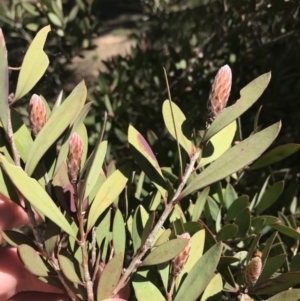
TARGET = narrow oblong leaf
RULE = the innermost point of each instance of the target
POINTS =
(145, 157)
(289, 295)
(213, 291)
(3, 83)
(197, 247)
(249, 96)
(94, 168)
(15, 238)
(56, 125)
(178, 126)
(119, 233)
(34, 64)
(234, 159)
(139, 221)
(220, 143)
(277, 284)
(227, 232)
(199, 205)
(166, 251)
(32, 260)
(200, 275)
(107, 193)
(36, 195)
(271, 266)
(269, 197)
(110, 277)
(146, 290)
(275, 155)
(68, 267)
(287, 231)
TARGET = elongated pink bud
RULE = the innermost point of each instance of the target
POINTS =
(219, 93)
(74, 157)
(253, 269)
(37, 114)
(180, 260)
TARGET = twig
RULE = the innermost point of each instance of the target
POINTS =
(83, 246)
(168, 209)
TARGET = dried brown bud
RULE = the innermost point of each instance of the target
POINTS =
(180, 260)
(74, 157)
(253, 269)
(37, 114)
(219, 93)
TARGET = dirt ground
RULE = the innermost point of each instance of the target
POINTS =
(119, 24)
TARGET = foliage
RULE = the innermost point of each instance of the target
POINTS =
(192, 40)
(184, 213)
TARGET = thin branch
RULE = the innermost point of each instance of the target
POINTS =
(136, 262)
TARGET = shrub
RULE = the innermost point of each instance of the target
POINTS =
(179, 227)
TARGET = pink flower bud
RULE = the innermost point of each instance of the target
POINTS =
(74, 157)
(180, 260)
(219, 92)
(37, 114)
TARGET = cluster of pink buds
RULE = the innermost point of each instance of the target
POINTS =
(37, 114)
(219, 93)
(74, 157)
(180, 260)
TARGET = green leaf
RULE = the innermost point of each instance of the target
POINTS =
(110, 277)
(3, 83)
(107, 193)
(34, 64)
(22, 136)
(277, 284)
(138, 225)
(269, 197)
(220, 143)
(164, 237)
(275, 155)
(197, 247)
(145, 290)
(32, 261)
(271, 266)
(249, 96)
(166, 251)
(148, 227)
(199, 205)
(236, 207)
(69, 267)
(52, 232)
(230, 195)
(213, 291)
(55, 20)
(243, 221)
(234, 159)
(36, 195)
(15, 238)
(227, 232)
(119, 234)
(289, 295)
(95, 165)
(145, 157)
(287, 231)
(200, 275)
(178, 126)
(56, 125)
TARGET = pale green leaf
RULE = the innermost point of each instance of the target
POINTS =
(34, 64)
